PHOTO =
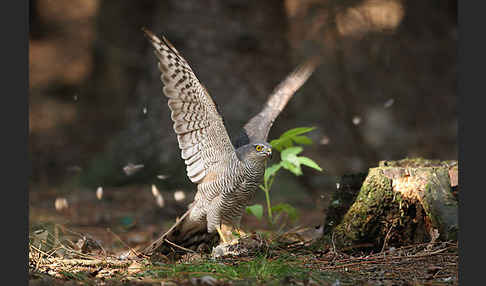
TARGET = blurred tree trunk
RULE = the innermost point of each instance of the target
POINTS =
(119, 52)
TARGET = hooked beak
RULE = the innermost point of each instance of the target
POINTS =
(268, 151)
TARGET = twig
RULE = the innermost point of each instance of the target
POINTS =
(154, 245)
(386, 239)
(38, 260)
(361, 245)
(178, 246)
(126, 245)
(63, 246)
(93, 262)
(379, 259)
(333, 245)
(39, 250)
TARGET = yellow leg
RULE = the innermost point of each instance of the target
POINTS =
(240, 232)
(225, 231)
(221, 234)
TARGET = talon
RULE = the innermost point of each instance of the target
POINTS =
(240, 232)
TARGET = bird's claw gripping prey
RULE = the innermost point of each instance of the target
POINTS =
(227, 175)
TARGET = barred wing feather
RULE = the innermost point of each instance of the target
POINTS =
(200, 130)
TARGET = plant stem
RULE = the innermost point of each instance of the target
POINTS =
(266, 189)
(267, 197)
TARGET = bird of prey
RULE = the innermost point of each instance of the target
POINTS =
(227, 175)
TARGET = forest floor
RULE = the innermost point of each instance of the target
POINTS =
(85, 242)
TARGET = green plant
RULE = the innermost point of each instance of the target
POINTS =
(260, 269)
(289, 160)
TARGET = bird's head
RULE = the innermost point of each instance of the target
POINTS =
(259, 151)
(263, 149)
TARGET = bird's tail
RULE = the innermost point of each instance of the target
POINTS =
(185, 235)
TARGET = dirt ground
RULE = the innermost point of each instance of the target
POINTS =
(95, 232)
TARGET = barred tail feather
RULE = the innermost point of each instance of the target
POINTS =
(184, 235)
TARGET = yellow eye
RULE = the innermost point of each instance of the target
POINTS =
(259, 148)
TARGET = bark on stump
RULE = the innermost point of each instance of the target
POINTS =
(399, 202)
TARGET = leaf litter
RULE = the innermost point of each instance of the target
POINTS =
(298, 256)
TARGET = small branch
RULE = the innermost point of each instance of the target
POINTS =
(178, 246)
(156, 244)
(93, 262)
(386, 238)
(126, 245)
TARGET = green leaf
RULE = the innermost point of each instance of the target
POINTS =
(309, 163)
(270, 171)
(296, 131)
(290, 161)
(286, 208)
(281, 143)
(294, 160)
(290, 152)
(256, 210)
(295, 169)
(302, 139)
(287, 138)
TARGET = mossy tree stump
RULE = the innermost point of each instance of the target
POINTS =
(399, 202)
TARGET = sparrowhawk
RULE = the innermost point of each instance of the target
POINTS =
(227, 175)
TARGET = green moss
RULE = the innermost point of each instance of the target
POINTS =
(380, 213)
(411, 163)
(376, 210)
(359, 221)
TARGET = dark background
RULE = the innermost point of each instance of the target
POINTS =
(386, 90)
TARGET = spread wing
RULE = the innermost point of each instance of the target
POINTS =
(200, 130)
(257, 128)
